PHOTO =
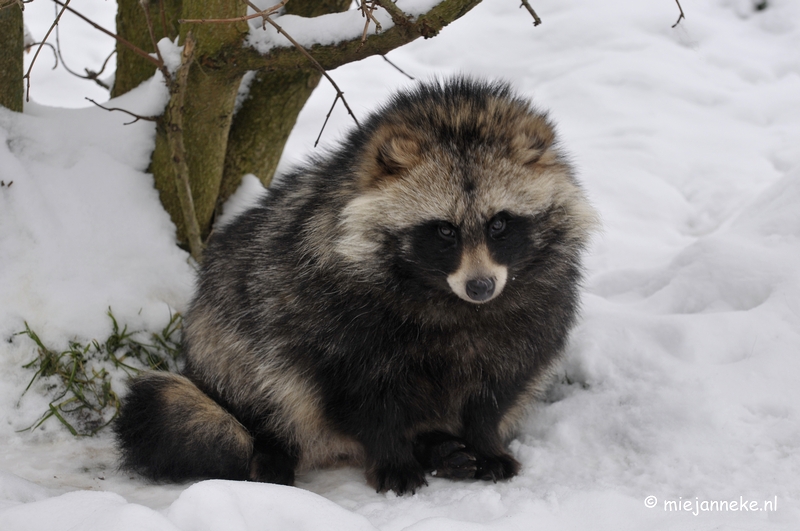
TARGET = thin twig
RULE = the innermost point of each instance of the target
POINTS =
(366, 12)
(536, 19)
(173, 120)
(264, 13)
(682, 16)
(135, 49)
(90, 74)
(27, 76)
(397, 68)
(161, 65)
(258, 14)
(55, 52)
(137, 116)
(339, 93)
(318, 66)
(326, 120)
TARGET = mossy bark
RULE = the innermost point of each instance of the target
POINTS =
(263, 124)
(132, 69)
(275, 98)
(207, 112)
(12, 38)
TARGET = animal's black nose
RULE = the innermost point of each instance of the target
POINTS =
(480, 289)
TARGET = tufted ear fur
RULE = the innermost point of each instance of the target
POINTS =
(533, 144)
(391, 152)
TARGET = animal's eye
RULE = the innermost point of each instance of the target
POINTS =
(446, 232)
(497, 226)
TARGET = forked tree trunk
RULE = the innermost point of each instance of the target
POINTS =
(207, 113)
(12, 37)
(220, 149)
(261, 127)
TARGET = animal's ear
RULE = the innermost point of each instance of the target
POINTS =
(389, 155)
(533, 144)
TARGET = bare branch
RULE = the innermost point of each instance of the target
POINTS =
(93, 75)
(299, 47)
(339, 93)
(137, 116)
(27, 76)
(53, 48)
(173, 120)
(397, 68)
(331, 56)
(398, 16)
(135, 49)
(367, 7)
(161, 65)
(682, 16)
(90, 74)
(536, 19)
(326, 120)
(266, 12)
(258, 14)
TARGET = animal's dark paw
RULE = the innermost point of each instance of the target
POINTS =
(452, 460)
(496, 467)
(269, 468)
(399, 478)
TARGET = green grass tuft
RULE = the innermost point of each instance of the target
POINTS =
(82, 377)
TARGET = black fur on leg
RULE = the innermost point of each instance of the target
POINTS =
(273, 461)
(169, 430)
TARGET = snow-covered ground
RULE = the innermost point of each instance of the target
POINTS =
(681, 383)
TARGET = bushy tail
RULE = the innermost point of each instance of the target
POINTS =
(168, 429)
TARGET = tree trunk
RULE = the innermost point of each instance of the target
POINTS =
(132, 70)
(12, 37)
(261, 127)
(207, 112)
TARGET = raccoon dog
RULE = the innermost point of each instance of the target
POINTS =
(393, 304)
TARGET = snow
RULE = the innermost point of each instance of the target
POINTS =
(325, 29)
(680, 381)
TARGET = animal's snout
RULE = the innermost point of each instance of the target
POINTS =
(480, 289)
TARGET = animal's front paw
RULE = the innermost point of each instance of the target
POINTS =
(401, 478)
(496, 467)
(452, 460)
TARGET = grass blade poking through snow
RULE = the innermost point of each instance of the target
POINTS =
(85, 377)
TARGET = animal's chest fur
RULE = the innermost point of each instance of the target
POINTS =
(418, 379)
